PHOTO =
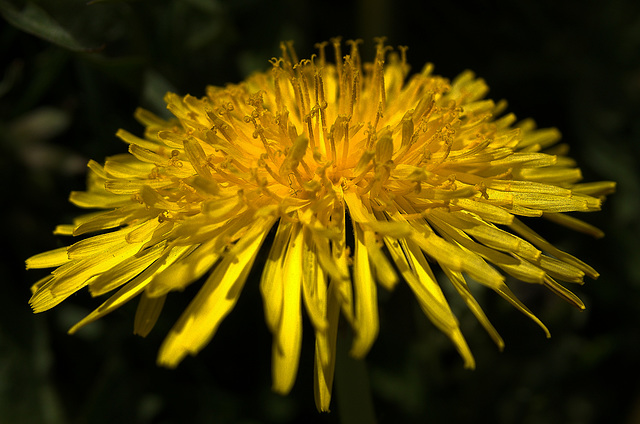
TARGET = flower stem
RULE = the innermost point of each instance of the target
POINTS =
(353, 391)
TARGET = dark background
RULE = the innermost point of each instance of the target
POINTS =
(73, 72)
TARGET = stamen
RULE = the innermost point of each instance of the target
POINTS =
(294, 56)
(336, 134)
(363, 167)
(378, 71)
(332, 143)
(262, 162)
(284, 55)
(345, 85)
(305, 86)
(298, 178)
(285, 47)
(403, 60)
(276, 71)
(320, 47)
(383, 91)
(259, 133)
(345, 143)
(321, 106)
(355, 54)
(302, 110)
(338, 51)
(293, 191)
(222, 127)
(310, 131)
(282, 121)
(355, 91)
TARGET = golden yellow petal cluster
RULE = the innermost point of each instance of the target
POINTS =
(368, 176)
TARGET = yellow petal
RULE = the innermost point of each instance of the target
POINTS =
(339, 259)
(197, 157)
(599, 188)
(64, 230)
(551, 175)
(484, 233)
(88, 199)
(561, 270)
(52, 258)
(555, 203)
(384, 149)
(575, 224)
(513, 264)
(126, 166)
(520, 269)
(125, 271)
(384, 271)
(507, 294)
(196, 262)
(525, 159)
(366, 298)
(132, 288)
(77, 274)
(148, 118)
(110, 219)
(414, 267)
(122, 186)
(541, 243)
(484, 210)
(272, 281)
(360, 214)
(294, 156)
(131, 139)
(222, 208)
(325, 349)
(462, 288)
(43, 282)
(288, 338)
(329, 264)
(97, 244)
(147, 314)
(564, 293)
(314, 284)
(542, 137)
(216, 298)
(172, 139)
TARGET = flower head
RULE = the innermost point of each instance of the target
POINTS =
(422, 170)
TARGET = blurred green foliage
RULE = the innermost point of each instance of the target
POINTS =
(73, 73)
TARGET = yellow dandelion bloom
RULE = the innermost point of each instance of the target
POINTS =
(421, 170)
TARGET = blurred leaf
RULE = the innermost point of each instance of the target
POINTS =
(11, 76)
(125, 71)
(155, 88)
(89, 3)
(204, 36)
(50, 65)
(208, 6)
(36, 21)
(39, 124)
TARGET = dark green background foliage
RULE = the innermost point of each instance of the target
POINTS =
(72, 74)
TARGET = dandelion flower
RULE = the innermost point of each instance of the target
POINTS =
(367, 176)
